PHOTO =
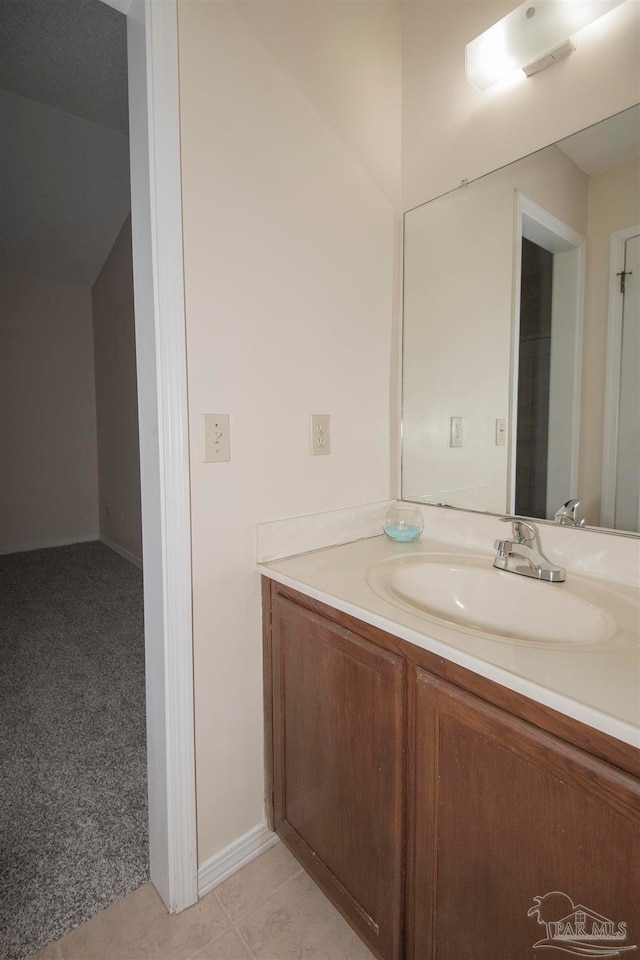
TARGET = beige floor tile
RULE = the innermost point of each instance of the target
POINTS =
(252, 885)
(229, 946)
(282, 916)
(52, 951)
(299, 923)
(139, 928)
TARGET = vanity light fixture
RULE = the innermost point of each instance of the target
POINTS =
(530, 38)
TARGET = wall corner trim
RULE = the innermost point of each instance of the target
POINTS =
(156, 219)
(131, 557)
(232, 858)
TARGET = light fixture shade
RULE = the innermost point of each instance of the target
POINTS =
(526, 34)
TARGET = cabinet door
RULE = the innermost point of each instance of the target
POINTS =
(522, 846)
(339, 771)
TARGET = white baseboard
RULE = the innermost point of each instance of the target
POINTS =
(236, 855)
(131, 557)
(45, 544)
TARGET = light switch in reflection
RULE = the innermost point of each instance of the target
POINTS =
(455, 439)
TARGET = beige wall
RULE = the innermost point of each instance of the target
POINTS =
(49, 482)
(451, 131)
(291, 147)
(117, 398)
(289, 176)
(458, 308)
(614, 203)
(457, 323)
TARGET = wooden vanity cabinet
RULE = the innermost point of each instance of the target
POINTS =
(503, 812)
(339, 776)
(376, 748)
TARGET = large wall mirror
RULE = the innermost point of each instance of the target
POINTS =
(521, 344)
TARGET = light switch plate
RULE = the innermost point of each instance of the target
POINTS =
(215, 438)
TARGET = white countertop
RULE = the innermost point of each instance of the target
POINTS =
(599, 686)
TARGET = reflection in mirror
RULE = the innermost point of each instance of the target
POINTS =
(521, 350)
(534, 362)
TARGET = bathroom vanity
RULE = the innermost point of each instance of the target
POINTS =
(452, 749)
(438, 786)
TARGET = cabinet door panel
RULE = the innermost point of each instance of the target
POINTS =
(505, 813)
(339, 719)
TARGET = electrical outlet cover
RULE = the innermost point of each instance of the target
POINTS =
(320, 434)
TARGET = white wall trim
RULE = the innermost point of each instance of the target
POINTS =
(171, 369)
(545, 229)
(45, 544)
(612, 376)
(156, 216)
(514, 366)
(131, 557)
(538, 225)
(236, 855)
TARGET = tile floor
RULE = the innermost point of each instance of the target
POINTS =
(269, 910)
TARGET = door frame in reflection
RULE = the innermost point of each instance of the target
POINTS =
(565, 390)
(619, 239)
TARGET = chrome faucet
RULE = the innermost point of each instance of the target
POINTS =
(567, 515)
(524, 547)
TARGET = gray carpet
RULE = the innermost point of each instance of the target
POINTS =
(73, 794)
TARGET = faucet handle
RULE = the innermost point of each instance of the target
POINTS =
(523, 532)
(567, 514)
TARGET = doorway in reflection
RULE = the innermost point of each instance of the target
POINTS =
(627, 515)
(534, 364)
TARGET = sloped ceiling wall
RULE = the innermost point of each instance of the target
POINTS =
(64, 187)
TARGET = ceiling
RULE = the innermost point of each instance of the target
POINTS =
(68, 54)
(64, 187)
(607, 144)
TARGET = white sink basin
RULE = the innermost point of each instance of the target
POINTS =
(472, 595)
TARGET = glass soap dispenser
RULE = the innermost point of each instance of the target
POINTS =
(403, 522)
